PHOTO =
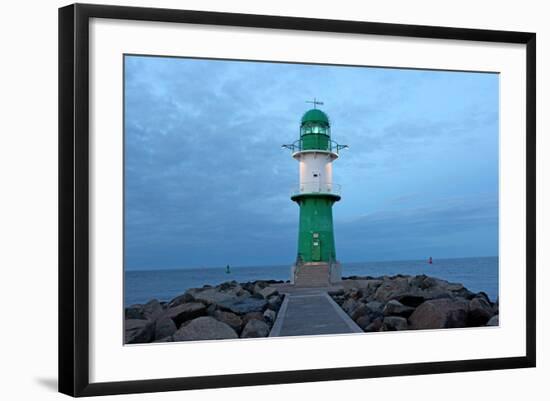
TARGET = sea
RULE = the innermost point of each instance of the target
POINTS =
(476, 274)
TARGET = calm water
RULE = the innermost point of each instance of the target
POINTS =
(477, 274)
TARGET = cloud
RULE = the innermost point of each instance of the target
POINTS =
(206, 180)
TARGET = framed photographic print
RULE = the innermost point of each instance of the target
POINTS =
(240, 192)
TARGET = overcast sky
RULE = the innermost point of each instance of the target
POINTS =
(208, 184)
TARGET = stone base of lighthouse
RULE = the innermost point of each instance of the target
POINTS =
(316, 274)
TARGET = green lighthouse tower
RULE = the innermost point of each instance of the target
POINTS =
(316, 263)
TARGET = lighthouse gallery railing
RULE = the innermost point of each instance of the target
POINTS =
(298, 146)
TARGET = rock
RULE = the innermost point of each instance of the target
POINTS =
(363, 322)
(375, 306)
(204, 328)
(393, 323)
(368, 285)
(274, 302)
(336, 293)
(412, 300)
(360, 310)
(493, 321)
(249, 287)
(396, 308)
(391, 289)
(138, 331)
(181, 299)
(268, 291)
(480, 311)
(164, 327)
(134, 312)
(232, 320)
(243, 305)
(255, 328)
(184, 312)
(168, 339)
(251, 316)
(270, 315)
(349, 305)
(152, 310)
(412, 291)
(439, 314)
(211, 309)
(227, 285)
(258, 287)
(354, 293)
(483, 295)
(215, 295)
(375, 325)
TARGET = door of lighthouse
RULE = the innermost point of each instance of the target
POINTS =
(316, 248)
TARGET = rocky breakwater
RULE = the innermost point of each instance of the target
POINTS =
(413, 303)
(228, 311)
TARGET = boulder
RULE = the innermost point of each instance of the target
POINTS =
(393, 323)
(138, 331)
(372, 285)
(204, 328)
(215, 295)
(354, 293)
(168, 339)
(375, 325)
(391, 288)
(184, 312)
(413, 299)
(211, 309)
(270, 315)
(375, 306)
(396, 308)
(480, 311)
(363, 322)
(274, 302)
(181, 299)
(245, 305)
(255, 328)
(258, 287)
(493, 321)
(268, 291)
(360, 310)
(251, 316)
(349, 305)
(228, 285)
(232, 320)
(134, 312)
(439, 314)
(152, 310)
(164, 327)
(412, 291)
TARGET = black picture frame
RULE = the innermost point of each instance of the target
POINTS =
(74, 198)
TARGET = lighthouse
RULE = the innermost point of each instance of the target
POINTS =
(316, 264)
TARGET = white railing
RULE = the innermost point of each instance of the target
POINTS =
(317, 188)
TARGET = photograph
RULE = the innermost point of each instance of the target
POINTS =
(270, 199)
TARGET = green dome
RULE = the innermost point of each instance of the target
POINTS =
(315, 115)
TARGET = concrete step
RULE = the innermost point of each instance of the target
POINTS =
(316, 275)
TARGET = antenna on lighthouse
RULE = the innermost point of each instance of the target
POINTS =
(315, 102)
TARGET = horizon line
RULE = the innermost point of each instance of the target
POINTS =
(277, 265)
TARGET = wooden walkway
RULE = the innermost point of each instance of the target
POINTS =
(311, 311)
